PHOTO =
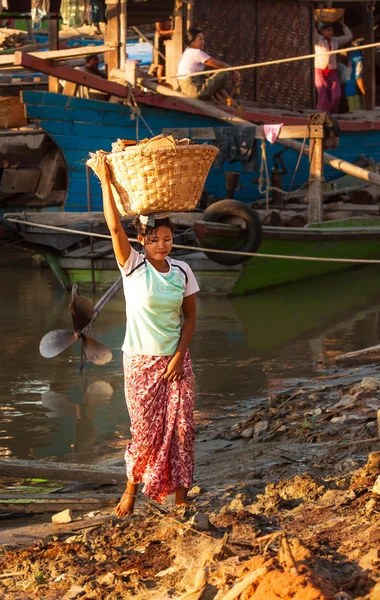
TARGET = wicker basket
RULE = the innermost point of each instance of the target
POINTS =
(328, 15)
(150, 179)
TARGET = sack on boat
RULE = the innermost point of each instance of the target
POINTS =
(158, 175)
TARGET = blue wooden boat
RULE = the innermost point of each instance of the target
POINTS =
(79, 126)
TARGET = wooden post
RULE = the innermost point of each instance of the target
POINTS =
(53, 45)
(313, 37)
(113, 34)
(174, 47)
(369, 59)
(123, 33)
(189, 14)
(315, 192)
(257, 52)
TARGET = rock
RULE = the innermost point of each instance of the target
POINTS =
(314, 396)
(344, 401)
(236, 505)
(195, 491)
(300, 486)
(375, 593)
(237, 426)
(371, 508)
(369, 560)
(260, 428)
(348, 465)
(376, 487)
(74, 592)
(370, 384)
(107, 579)
(199, 521)
(247, 433)
(65, 516)
(347, 418)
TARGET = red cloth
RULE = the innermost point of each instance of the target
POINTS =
(161, 454)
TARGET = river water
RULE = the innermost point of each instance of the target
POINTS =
(243, 349)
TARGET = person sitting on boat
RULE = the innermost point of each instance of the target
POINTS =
(92, 66)
(326, 73)
(194, 60)
(355, 90)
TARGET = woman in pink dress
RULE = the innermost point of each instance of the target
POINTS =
(159, 381)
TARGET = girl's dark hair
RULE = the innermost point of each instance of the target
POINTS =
(192, 34)
(147, 230)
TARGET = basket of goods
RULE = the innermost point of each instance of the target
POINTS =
(328, 15)
(158, 175)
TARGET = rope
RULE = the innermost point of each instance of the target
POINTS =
(136, 113)
(208, 250)
(269, 63)
(264, 166)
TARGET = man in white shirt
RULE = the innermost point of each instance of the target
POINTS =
(194, 60)
(326, 72)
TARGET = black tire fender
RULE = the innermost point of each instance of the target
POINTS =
(225, 211)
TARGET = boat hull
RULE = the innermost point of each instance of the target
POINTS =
(80, 126)
(260, 273)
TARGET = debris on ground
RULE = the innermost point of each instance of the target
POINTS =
(290, 511)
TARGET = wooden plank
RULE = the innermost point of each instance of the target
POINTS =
(65, 54)
(42, 98)
(113, 35)
(53, 45)
(54, 505)
(49, 166)
(19, 181)
(71, 74)
(62, 471)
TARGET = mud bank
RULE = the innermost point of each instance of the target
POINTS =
(286, 505)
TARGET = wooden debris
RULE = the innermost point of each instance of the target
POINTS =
(62, 471)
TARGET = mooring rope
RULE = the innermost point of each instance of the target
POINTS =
(105, 236)
(269, 63)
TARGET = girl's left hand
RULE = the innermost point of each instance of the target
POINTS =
(174, 371)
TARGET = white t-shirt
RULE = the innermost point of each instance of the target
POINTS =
(192, 61)
(153, 303)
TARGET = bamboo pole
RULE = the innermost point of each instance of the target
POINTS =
(213, 111)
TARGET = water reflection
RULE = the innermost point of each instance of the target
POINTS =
(242, 349)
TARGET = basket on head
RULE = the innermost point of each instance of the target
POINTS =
(160, 178)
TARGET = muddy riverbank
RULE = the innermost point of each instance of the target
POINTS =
(286, 504)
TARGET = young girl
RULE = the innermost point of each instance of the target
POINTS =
(159, 381)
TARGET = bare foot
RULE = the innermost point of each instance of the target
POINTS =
(180, 497)
(126, 505)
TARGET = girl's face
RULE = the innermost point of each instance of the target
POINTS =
(158, 244)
